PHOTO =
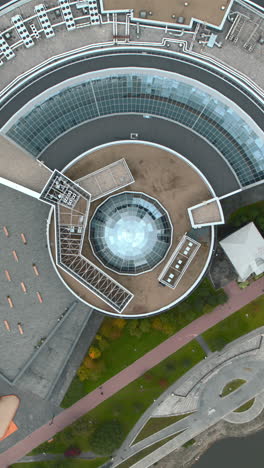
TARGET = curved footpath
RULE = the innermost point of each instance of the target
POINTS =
(237, 299)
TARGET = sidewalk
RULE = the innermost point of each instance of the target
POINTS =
(237, 299)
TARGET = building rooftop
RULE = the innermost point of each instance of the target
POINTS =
(205, 11)
(163, 176)
(245, 249)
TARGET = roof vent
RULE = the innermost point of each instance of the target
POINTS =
(181, 20)
(143, 14)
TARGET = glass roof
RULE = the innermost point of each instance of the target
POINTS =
(130, 233)
(202, 111)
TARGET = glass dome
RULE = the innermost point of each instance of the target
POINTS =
(130, 233)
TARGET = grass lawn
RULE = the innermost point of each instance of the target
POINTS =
(132, 347)
(154, 425)
(245, 406)
(73, 463)
(245, 214)
(240, 323)
(129, 403)
(189, 443)
(232, 386)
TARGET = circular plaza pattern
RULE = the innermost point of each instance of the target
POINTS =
(176, 184)
(130, 233)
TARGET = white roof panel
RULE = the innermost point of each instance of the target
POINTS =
(245, 249)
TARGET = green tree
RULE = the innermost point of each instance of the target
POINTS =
(107, 437)
(144, 325)
(213, 300)
(221, 297)
(133, 328)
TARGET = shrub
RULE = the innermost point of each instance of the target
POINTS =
(89, 363)
(103, 344)
(109, 329)
(92, 373)
(212, 300)
(133, 328)
(119, 323)
(221, 297)
(107, 437)
(156, 323)
(83, 373)
(170, 366)
(163, 383)
(144, 325)
(72, 452)
(94, 352)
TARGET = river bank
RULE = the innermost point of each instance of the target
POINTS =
(193, 456)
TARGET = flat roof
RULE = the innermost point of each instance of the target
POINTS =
(106, 180)
(171, 180)
(207, 213)
(169, 11)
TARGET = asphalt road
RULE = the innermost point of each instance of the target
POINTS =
(131, 59)
(156, 130)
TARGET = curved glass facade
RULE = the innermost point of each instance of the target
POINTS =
(170, 98)
(130, 233)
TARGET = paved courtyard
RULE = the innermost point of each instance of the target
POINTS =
(22, 214)
(56, 331)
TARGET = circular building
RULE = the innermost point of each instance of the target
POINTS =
(137, 231)
(132, 226)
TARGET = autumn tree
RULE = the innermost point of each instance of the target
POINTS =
(94, 352)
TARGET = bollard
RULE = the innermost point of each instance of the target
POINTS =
(7, 275)
(15, 255)
(35, 269)
(6, 231)
(24, 240)
(7, 325)
(10, 302)
(23, 287)
(39, 297)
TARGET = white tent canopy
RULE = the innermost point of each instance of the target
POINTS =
(245, 250)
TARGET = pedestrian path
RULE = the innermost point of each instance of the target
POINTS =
(237, 299)
(203, 344)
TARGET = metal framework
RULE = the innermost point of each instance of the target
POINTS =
(72, 205)
(107, 180)
(179, 262)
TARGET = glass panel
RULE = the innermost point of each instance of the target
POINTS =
(130, 233)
